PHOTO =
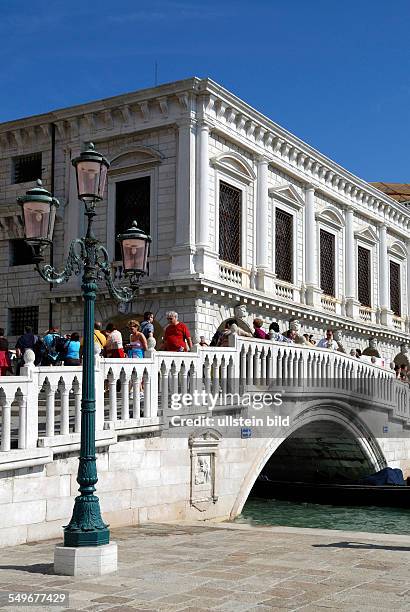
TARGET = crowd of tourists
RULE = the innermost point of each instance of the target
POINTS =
(55, 348)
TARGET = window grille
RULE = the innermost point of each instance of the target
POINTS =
(364, 276)
(21, 253)
(132, 202)
(327, 262)
(27, 168)
(19, 318)
(230, 213)
(395, 292)
(284, 245)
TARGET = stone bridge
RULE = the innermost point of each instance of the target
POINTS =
(183, 436)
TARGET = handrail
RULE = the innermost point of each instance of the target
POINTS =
(42, 407)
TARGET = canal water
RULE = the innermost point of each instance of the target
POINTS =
(293, 514)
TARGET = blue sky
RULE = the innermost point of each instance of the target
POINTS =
(336, 74)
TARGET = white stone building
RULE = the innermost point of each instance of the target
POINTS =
(240, 211)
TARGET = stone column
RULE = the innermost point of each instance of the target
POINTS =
(384, 297)
(311, 272)
(184, 250)
(206, 258)
(352, 304)
(203, 176)
(261, 225)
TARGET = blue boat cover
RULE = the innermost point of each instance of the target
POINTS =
(386, 476)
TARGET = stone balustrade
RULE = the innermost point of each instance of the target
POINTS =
(284, 291)
(41, 408)
(233, 274)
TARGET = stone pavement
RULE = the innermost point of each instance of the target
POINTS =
(227, 567)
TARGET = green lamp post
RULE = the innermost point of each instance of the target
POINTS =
(87, 256)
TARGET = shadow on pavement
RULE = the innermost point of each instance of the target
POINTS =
(362, 545)
(37, 568)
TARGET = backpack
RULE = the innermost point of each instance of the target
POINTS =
(41, 352)
(57, 349)
(61, 347)
(215, 338)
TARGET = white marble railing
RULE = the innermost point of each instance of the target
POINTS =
(234, 274)
(365, 314)
(230, 274)
(41, 408)
(397, 323)
(284, 291)
(328, 303)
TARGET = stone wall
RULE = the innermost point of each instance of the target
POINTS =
(141, 480)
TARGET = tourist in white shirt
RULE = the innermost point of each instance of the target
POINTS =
(328, 341)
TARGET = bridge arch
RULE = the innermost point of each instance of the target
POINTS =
(337, 413)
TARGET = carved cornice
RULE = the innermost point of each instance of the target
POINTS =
(203, 98)
(305, 163)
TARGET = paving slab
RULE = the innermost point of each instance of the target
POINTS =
(226, 567)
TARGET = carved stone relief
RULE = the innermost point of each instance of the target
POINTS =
(204, 452)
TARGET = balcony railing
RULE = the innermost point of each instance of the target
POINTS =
(284, 290)
(365, 313)
(398, 323)
(233, 274)
(328, 303)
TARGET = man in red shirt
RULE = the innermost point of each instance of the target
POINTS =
(176, 334)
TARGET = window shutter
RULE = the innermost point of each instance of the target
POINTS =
(395, 292)
(27, 168)
(284, 245)
(327, 262)
(230, 213)
(19, 318)
(364, 276)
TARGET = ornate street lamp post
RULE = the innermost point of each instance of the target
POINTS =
(86, 255)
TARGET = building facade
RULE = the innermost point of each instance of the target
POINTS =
(241, 213)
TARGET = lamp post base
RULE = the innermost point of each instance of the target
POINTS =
(85, 560)
(96, 537)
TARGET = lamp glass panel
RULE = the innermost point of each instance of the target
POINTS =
(134, 254)
(53, 212)
(36, 219)
(103, 178)
(88, 173)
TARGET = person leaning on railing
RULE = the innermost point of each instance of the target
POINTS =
(259, 331)
(224, 338)
(328, 341)
(275, 335)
